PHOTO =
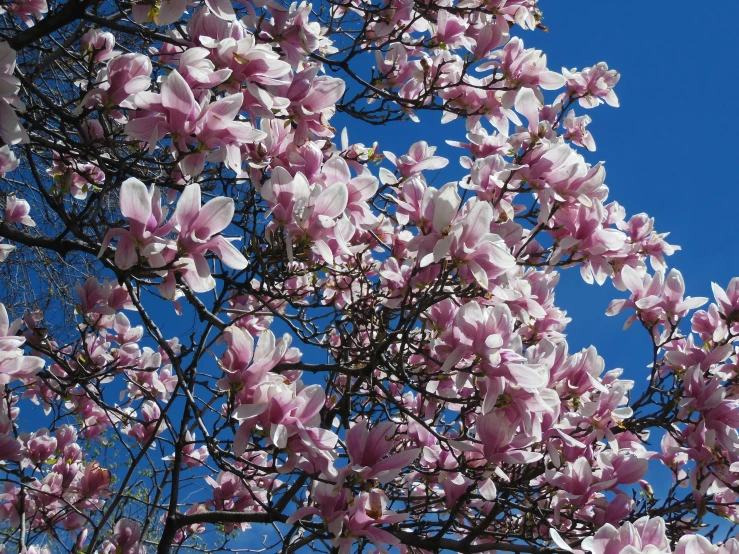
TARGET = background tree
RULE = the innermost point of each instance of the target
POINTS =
(219, 314)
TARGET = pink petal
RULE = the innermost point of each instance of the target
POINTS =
(188, 206)
(214, 217)
(331, 202)
(171, 11)
(227, 253)
(197, 275)
(178, 98)
(222, 9)
(135, 202)
(446, 204)
(125, 253)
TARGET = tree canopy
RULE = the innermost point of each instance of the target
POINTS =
(225, 327)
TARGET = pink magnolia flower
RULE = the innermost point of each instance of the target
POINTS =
(394, 278)
(222, 9)
(493, 32)
(102, 299)
(211, 126)
(728, 301)
(99, 44)
(286, 194)
(368, 449)
(13, 363)
(170, 11)
(302, 33)
(481, 331)
(287, 410)
(579, 373)
(123, 332)
(94, 482)
(562, 174)
(501, 443)
(368, 511)
(584, 234)
(39, 447)
(199, 228)
(191, 456)
(16, 211)
(92, 131)
(524, 67)
(8, 161)
(11, 130)
(420, 157)
(656, 299)
(65, 435)
(577, 132)
(360, 189)
(519, 12)
(481, 255)
(577, 482)
(127, 536)
(450, 29)
(150, 425)
(284, 412)
(10, 447)
(199, 71)
(622, 466)
(640, 229)
(122, 78)
(251, 312)
(312, 215)
(247, 368)
(696, 544)
(700, 394)
(488, 176)
(329, 502)
(593, 85)
(73, 177)
(312, 100)
(434, 211)
(145, 237)
(230, 494)
(612, 511)
(251, 61)
(640, 287)
(455, 484)
(647, 535)
(204, 25)
(26, 8)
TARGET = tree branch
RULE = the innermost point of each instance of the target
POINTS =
(71, 11)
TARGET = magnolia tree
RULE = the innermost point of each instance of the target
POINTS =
(226, 327)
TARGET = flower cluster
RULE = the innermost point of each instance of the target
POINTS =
(448, 410)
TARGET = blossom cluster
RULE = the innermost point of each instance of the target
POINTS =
(451, 405)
